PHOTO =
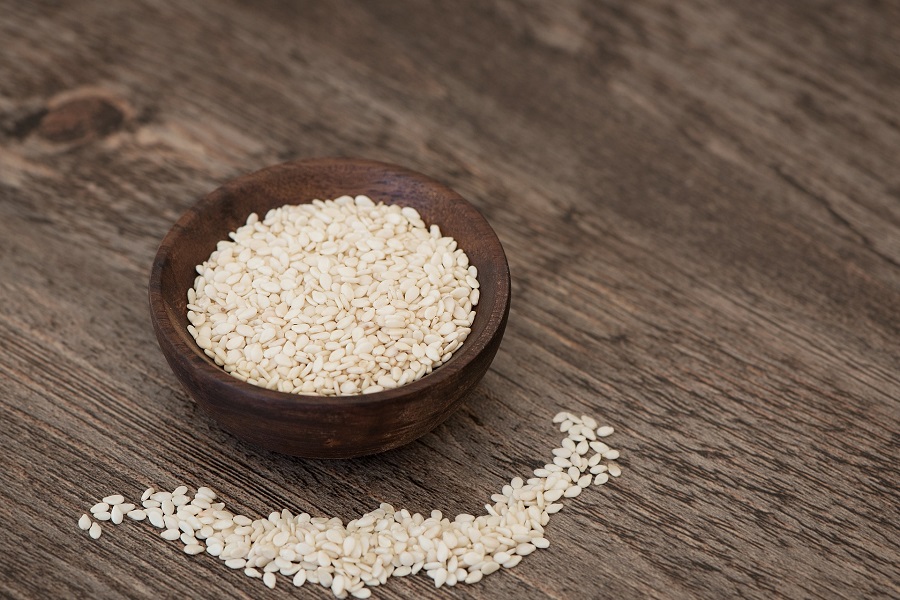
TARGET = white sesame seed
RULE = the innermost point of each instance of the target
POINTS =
(95, 531)
(137, 515)
(84, 522)
(572, 491)
(269, 580)
(553, 495)
(102, 516)
(614, 470)
(599, 447)
(525, 549)
(170, 534)
(601, 478)
(611, 455)
(193, 549)
(100, 507)
(512, 562)
(604, 431)
(116, 515)
(114, 499)
(155, 516)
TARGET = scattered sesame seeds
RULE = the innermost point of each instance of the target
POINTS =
(350, 559)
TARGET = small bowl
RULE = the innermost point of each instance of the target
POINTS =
(322, 426)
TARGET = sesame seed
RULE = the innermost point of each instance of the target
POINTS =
(84, 522)
(170, 534)
(100, 507)
(572, 492)
(155, 516)
(599, 447)
(95, 531)
(269, 580)
(193, 549)
(116, 515)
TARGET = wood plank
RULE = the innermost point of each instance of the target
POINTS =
(700, 206)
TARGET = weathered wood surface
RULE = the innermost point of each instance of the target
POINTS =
(700, 202)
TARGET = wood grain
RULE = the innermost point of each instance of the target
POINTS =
(701, 209)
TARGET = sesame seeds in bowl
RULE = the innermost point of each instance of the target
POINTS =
(335, 298)
(444, 246)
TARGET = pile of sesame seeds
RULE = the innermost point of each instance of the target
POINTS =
(350, 559)
(335, 297)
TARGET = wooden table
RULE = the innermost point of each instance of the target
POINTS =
(700, 203)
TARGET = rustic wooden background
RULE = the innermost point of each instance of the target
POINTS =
(700, 202)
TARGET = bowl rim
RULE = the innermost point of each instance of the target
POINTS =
(207, 371)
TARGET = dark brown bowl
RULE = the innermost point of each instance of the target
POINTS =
(319, 426)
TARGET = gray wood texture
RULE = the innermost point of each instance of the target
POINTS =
(700, 203)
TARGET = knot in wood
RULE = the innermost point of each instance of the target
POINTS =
(80, 119)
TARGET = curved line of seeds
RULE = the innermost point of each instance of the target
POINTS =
(349, 559)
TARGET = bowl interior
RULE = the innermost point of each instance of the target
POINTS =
(194, 237)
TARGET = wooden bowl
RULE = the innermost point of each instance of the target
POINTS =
(321, 426)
